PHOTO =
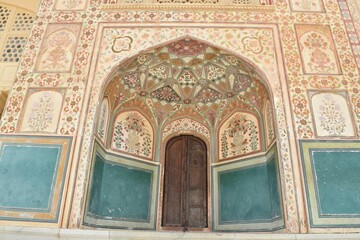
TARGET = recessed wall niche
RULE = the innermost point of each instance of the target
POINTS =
(188, 88)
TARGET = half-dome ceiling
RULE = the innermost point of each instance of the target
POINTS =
(187, 73)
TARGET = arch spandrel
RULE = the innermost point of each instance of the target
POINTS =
(225, 39)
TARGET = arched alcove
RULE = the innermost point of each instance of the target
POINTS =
(185, 87)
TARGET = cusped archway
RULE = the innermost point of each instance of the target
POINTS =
(193, 88)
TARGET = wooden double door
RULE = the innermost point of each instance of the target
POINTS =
(185, 185)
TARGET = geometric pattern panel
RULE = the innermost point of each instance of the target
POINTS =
(23, 22)
(13, 49)
(331, 170)
(133, 134)
(32, 176)
(247, 194)
(122, 192)
(4, 13)
(331, 114)
(187, 73)
(239, 135)
(317, 49)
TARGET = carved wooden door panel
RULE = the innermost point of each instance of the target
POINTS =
(185, 187)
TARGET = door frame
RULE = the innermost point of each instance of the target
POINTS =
(164, 143)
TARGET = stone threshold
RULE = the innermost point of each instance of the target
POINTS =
(31, 233)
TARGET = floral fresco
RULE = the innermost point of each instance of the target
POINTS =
(58, 48)
(331, 114)
(103, 120)
(185, 125)
(270, 131)
(317, 50)
(239, 135)
(307, 5)
(70, 4)
(42, 111)
(133, 134)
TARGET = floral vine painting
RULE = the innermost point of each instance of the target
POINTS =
(42, 111)
(331, 114)
(133, 134)
(103, 119)
(317, 50)
(239, 135)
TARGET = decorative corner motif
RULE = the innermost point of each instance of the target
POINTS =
(252, 44)
(121, 44)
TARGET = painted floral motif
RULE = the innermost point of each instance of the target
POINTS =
(103, 119)
(331, 119)
(307, 5)
(185, 125)
(42, 112)
(133, 134)
(58, 55)
(207, 95)
(187, 78)
(242, 82)
(121, 44)
(70, 4)
(143, 58)
(270, 133)
(58, 48)
(215, 73)
(239, 135)
(317, 51)
(158, 72)
(252, 44)
(332, 116)
(166, 93)
(132, 80)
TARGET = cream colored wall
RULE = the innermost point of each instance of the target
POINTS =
(30, 5)
(17, 17)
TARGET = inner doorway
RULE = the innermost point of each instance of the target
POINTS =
(185, 185)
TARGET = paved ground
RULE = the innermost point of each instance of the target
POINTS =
(20, 233)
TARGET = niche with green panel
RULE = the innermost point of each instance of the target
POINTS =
(247, 194)
(120, 192)
(27, 176)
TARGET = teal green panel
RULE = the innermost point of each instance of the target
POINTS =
(27, 173)
(95, 194)
(244, 195)
(338, 180)
(274, 191)
(124, 192)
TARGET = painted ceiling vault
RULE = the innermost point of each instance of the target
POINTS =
(187, 77)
